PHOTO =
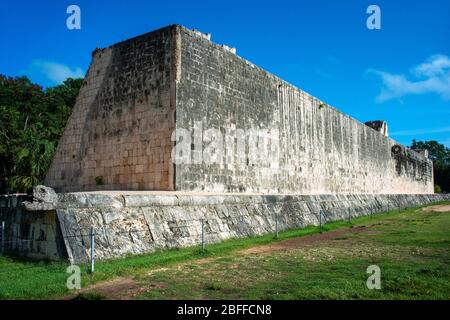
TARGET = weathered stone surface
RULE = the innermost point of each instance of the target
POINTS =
(44, 198)
(321, 149)
(45, 194)
(118, 136)
(38, 206)
(378, 125)
(33, 234)
(138, 91)
(152, 223)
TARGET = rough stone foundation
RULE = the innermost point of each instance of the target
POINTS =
(141, 223)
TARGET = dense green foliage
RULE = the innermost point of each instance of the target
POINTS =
(32, 120)
(441, 160)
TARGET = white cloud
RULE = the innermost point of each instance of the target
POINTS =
(56, 72)
(431, 76)
(436, 65)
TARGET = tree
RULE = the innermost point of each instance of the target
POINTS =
(441, 161)
(31, 122)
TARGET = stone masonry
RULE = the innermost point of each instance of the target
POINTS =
(118, 136)
(137, 92)
(137, 223)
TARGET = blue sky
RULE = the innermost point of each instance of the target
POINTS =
(400, 73)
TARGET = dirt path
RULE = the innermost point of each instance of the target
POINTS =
(437, 208)
(116, 289)
(301, 242)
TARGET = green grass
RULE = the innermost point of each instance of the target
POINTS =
(292, 274)
(411, 248)
(21, 279)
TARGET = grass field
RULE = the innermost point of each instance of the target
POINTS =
(411, 247)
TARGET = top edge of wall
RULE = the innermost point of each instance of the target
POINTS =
(92, 200)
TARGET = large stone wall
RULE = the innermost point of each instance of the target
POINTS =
(138, 223)
(138, 91)
(32, 234)
(118, 136)
(321, 150)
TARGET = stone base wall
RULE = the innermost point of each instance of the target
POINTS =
(136, 224)
(32, 234)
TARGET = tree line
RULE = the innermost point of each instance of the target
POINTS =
(440, 155)
(32, 119)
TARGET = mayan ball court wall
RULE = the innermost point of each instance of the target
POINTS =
(127, 223)
(138, 91)
(321, 150)
(172, 134)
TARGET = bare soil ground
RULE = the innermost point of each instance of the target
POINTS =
(117, 289)
(301, 242)
(437, 208)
